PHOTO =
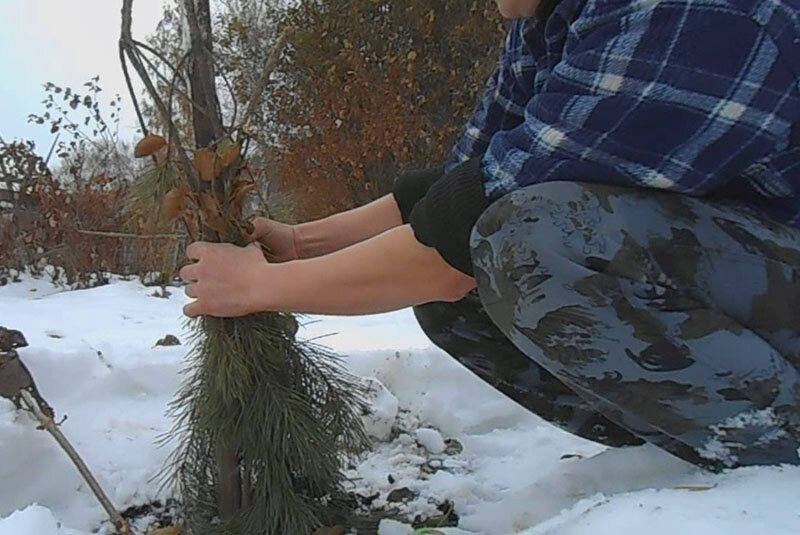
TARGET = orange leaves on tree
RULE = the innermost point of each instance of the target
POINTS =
(385, 91)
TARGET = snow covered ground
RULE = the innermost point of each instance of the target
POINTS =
(94, 357)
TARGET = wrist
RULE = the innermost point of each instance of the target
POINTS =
(298, 241)
(265, 292)
(313, 239)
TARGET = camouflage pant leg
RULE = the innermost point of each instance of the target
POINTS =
(465, 331)
(676, 318)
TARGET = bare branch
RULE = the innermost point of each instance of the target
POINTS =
(172, 85)
(49, 425)
(110, 234)
(161, 56)
(128, 48)
(269, 66)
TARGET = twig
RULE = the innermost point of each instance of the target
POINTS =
(130, 89)
(111, 234)
(128, 48)
(52, 148)
(175, 75)
(233, 99)
(49, 425)
(160, 56)
(269, 66)
(164, 79)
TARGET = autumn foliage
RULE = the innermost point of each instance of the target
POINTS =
(47, 224)
(372, 88)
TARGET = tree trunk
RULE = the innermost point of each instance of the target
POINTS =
(207, 124)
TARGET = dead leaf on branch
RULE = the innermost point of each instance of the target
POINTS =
(176, 201)
(172, 530)
(211, 212)
(239, 193)
(333, 530)
(204, 162)
(148, 145)
(229, 154)
(161, 155)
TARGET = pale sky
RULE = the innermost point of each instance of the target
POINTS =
(65, 42)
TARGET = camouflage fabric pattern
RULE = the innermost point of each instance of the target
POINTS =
(626, 314)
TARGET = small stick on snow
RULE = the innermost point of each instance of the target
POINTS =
(50, 426)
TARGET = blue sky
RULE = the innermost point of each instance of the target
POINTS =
(65, 42)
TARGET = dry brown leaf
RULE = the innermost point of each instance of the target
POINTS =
(240, 191)
(175, 202)
(161, 155)
(333, 530)
(204, 160)
(210, 212)
(172, 530)
(148, 145)
(229, 154)
(208, 204)
(238, 194)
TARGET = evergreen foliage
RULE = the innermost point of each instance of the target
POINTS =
(263, 421)
(288, 409)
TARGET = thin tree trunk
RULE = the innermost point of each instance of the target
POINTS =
(208, 129)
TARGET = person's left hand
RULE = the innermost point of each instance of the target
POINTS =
(224, 279)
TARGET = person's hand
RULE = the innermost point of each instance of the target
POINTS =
(278, 239)
(225, 279)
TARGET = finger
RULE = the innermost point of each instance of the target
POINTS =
(193, 309)
(188, 273)
(191, 290)
(249, 230)
(257, 229)
(196, 250)
(258, 249)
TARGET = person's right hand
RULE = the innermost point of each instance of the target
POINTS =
(278, 239)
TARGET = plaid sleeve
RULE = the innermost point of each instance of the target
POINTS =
(681, 96)
(502, 105)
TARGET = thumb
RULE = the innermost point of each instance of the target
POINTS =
(251, 230)
(258, 246)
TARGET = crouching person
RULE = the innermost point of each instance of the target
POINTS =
(615, 242)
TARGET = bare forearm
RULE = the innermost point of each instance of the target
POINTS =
(386, 272)
(317, 238)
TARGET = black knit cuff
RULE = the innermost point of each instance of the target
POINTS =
(444, 217)
(412, 186)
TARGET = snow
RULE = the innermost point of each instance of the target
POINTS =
(94, 357)
(393, 527)
(430, 439)
(383, 409)
(34, 519)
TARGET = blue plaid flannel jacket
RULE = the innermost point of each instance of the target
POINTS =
(695, 96)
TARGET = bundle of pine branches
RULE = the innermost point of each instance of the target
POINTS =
(288, 411)
(263, 421)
